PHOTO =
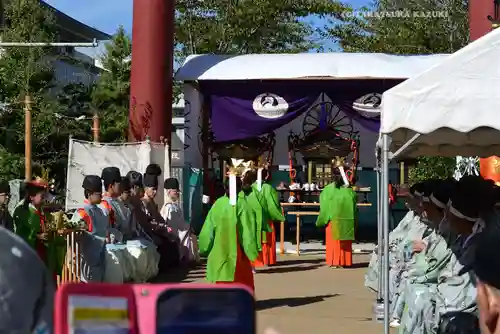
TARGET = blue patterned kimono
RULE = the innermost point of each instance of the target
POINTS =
(421, 273)
(124, 220)
(409, 229)
(447, 289)
(93, 243)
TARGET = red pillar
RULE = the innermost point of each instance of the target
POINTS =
(479, 25)
(151, 79)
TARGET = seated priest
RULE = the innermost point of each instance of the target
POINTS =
(338, 212)
(97, 223)
(174, 217)
(428, 256)
(142, 254)
(469, 209)
(153, 223)
(409, 229)
(486, 267)
(429, 300)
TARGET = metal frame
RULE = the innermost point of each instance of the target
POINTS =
(383, 157)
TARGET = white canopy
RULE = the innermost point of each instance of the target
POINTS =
(455, 105)
(334, 65)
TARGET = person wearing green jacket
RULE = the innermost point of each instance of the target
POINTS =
(338, 213)
(269, 200)
(30, 224)
(228, 238)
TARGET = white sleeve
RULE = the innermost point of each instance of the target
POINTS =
(166, 212)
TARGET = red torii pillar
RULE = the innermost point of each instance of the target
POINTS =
(150, 111)
(480, 25)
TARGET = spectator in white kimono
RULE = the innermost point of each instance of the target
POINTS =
(410, 228)
(486, 267)
(173, 216)
(428, 256)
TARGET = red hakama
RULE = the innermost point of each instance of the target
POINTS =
(338, 252)
(267, 257)
(243, 273)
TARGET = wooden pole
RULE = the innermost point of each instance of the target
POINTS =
(309, 171)
(27, 137)
(95, 127)
(402, 173)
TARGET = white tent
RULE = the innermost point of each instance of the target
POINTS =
(450, 109)
(455, 103)
(305, 66)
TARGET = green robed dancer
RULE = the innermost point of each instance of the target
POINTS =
(338, 213)
(228, 236)
(263, 199)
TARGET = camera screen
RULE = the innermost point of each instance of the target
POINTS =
(98, 315)
(193, 311)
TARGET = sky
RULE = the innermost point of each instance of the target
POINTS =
(107, 15)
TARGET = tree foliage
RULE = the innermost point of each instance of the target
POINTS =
(404, 27)
(407, 27)
(111, 94)
(248, 26)
(56, 110)
(23, 71)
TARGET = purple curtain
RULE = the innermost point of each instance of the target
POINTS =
(244, 109)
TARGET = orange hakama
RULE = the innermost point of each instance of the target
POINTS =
(338, 252)
(243, 273)
(267, 257)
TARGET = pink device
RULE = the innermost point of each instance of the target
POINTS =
(133, 308)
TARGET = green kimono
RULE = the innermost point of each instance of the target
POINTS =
(27, 224)
(225, 227)
(268, 199)
(257, 214)
(338, 207)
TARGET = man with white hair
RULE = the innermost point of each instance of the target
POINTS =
(173, 216)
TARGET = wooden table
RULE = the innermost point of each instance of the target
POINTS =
(299, 214)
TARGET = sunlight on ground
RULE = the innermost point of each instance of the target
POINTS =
(301, 295)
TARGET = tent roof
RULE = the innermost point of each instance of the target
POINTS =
(455, 104)
(312, 66)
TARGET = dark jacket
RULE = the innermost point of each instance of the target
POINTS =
(6, 220)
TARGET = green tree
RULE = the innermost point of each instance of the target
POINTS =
(427, 168)
(25, 70)
(403, 27)
(111, 94)
(248, 26)
(407, 27)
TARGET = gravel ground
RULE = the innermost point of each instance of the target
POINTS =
(301, 295)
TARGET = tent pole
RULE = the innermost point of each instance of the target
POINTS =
(379, 231)
(405, 146)
(385, 211)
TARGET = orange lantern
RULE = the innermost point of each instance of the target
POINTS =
(489, 168)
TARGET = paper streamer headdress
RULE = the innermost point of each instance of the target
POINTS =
(236, 169)
(339, 163)
(260, 167)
